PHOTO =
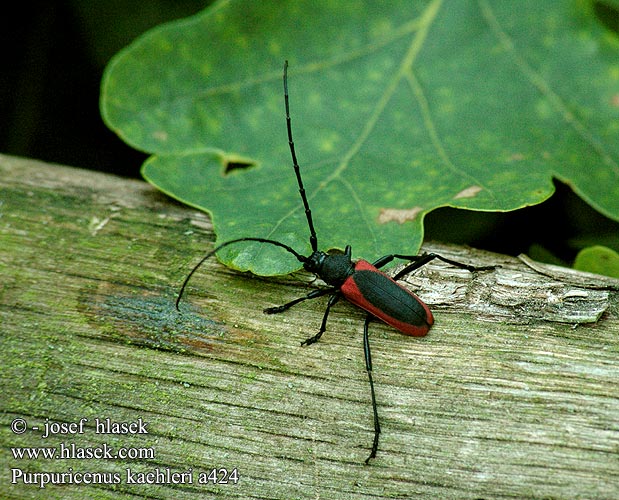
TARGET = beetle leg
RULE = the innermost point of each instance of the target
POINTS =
(332, 301)
(423, 259)
(312, 295)
(418, 261)
(368, 367)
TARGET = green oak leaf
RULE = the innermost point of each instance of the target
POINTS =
(398, 108)
(598, 259)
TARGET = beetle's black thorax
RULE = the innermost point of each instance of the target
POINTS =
(332, 269)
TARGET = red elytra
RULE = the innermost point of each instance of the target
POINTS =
(375, 292)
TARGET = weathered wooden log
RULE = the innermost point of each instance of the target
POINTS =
(514, 393)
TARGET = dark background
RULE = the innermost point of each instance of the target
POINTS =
(49, 88)
(54, 57)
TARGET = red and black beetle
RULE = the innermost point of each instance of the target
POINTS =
(360, 282)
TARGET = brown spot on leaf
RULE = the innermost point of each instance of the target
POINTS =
(469, 192)
(160, 135)
(398, 215)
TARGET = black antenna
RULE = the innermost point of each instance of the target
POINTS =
(297, 171)
(300, 257)
(308, 212)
